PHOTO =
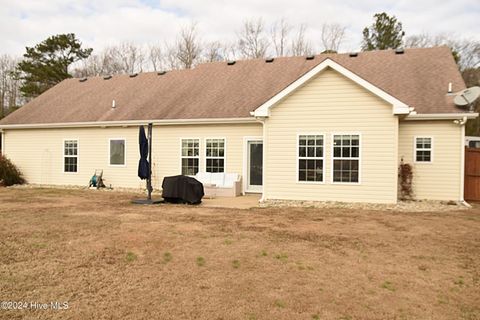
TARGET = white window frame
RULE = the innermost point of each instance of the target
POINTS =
(224, 153)
(310, 158)
(110, 150)
(77, 156)
(195, 157)
(333, 158)
(422, 149)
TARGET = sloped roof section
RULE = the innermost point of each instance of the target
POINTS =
(418, 78)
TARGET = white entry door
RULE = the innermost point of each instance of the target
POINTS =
(254, 165)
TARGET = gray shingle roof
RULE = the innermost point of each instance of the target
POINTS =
(419, 78)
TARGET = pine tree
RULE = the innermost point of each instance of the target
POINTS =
(385, 33)
(47, 63)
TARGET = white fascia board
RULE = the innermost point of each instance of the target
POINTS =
(128, 123)
(441, 116)
(398, 106)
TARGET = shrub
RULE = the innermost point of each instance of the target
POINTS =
(9, 173)
(405, 174)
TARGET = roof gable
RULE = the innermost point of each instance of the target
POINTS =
(399, 107)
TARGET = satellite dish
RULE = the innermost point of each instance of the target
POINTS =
(467, 97)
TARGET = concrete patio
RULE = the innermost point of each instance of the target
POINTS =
(243, 202)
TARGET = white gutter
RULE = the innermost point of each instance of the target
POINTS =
(126, 123)
(441, 116)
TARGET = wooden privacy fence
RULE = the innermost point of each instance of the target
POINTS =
(472, 174)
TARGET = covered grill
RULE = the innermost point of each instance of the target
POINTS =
(182, 189)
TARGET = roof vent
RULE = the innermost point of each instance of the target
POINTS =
(269, 60)
(107, 77)
(353, 54)
(399, 51)
(133, 75)
(83, 79)
(231, 62)
(114, 105)
(161, 73)
(310, 57)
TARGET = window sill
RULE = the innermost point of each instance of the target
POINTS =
(310, 182)
(347, 183)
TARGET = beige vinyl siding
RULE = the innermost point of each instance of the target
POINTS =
(39, 152)
(440, 179)
(330, 103)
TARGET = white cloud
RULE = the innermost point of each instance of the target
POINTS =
(101, 23)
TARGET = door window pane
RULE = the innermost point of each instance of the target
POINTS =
(256, 164)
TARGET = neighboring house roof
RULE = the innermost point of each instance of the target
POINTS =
(419, 78)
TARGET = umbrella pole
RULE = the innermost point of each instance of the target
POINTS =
(149, 180)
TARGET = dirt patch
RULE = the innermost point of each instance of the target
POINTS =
(110, 259)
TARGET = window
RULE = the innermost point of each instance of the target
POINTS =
(215, 155)
(423, 149)
(70, 156)
(117, 152)
(190, 156)
(346, 158)
(310, 158)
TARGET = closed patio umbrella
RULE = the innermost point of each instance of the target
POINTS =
(143, 165)
(145, 162)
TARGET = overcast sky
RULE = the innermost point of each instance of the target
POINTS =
(105, 22)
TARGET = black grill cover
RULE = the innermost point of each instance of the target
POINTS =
(182, 189)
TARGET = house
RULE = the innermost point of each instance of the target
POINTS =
(325, 127)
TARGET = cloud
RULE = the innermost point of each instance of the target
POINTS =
(102, 23)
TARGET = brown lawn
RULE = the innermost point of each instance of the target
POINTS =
(110, 259)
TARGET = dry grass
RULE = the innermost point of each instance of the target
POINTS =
(112, 260)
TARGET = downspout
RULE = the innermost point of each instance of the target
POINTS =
(264, 153)
(2, 142)
(462, 123)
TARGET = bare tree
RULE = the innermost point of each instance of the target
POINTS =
(466, 51)
(279, 32)
(218, 51)
(421, 40)
(92, 66)
(10, 97)
(130, 56)
(155, 56)
(299, 45)
(170, 58)
(125, 58)
(332, 36)
(252, 42)
(188, 47)
(213, 51)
